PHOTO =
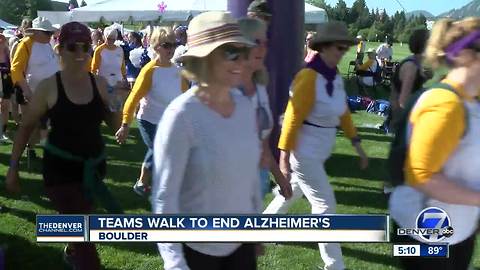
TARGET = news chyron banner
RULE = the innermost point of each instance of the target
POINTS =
(213, 228)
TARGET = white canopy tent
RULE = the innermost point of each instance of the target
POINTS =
(6, 25)
(148, 10)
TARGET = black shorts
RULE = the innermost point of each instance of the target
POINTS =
(7, 84)
(20, 98)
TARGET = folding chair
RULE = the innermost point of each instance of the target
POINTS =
(363, 89)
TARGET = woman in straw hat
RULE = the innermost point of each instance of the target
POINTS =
(74, 162)
(316, 107)
(157, 85)
(369, 73)
(206, 150)
(254, 79)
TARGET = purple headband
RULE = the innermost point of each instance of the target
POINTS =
(453, 50)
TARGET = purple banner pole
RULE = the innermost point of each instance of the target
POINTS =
(238, 8)
(284, 59)
(286, 37)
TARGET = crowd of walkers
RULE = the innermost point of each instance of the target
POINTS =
(199, 96)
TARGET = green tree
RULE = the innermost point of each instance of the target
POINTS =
(412, 25)
(73, 3)
(364, 33)
(374, 34)
(35, 5)
(12, 11)
(399, 22)
(340, 11)
(359, 9)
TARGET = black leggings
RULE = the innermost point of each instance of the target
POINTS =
(243, 258)
(460, 255)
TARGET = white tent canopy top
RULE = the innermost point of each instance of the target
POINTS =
(148, 10)
(6, 25)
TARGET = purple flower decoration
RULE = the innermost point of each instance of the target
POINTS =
(162, 6)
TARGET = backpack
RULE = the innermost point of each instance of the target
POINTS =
(399, 146)
(354, 103)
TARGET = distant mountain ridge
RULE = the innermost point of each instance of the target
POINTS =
(470, 9)
(416, 13)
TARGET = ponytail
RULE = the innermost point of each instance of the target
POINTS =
(434, 53)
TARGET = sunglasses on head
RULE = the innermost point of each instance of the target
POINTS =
(232, 53)
(168, 45)
(73, 47)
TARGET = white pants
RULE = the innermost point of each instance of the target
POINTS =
(309, 177)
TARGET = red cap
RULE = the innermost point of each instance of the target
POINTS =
(74, 32)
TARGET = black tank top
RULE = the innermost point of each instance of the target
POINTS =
(76, 128)
(419, 79)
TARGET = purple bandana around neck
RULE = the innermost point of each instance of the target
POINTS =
(327, 72)
(453, 50)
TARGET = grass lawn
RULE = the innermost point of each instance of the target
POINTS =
(356, 192)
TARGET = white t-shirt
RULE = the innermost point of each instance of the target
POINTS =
(111, 65)
(166, 86)
(384, 52)
(43, 63)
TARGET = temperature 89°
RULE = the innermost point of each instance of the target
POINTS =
(434, 250)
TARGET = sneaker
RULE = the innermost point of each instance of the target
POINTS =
(141, 189)
(4, 139)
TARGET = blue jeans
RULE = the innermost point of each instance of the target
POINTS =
(147, 130)
(264, 181)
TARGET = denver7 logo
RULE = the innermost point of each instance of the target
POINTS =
(436, 219)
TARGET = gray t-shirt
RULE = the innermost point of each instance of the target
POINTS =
(205, 164)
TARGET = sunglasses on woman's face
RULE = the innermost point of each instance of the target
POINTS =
(73, 47)
(342, 48)
(168, 45)
(261, 42)
(232, 53)
(475, 47)
(48, 33)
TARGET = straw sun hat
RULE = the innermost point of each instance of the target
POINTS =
(210, 30)
(333, 31)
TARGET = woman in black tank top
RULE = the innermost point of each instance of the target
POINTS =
(74, 161)
(408, 77)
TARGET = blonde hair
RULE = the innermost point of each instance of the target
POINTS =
(249, 28)
(444, 33)
(160, 35)
(195, 69)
